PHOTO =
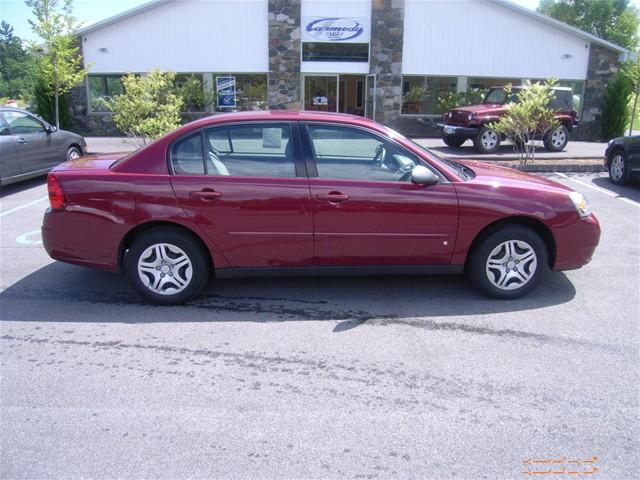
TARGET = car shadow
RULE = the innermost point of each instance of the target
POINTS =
(60, 292)
(18, 187)
(630, 191)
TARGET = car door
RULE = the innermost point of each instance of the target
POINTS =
(366, 210)
(246, 188)
(33, 143)
(9, 163)
(633, 150)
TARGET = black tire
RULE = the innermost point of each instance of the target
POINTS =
(556, 140)
(198, 259)
(486, 140)
(453, 141)
(73, 153)
(618, 167)
(484, 280)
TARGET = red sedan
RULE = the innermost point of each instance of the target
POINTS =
(284, 193)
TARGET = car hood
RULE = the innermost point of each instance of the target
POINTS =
(482, 108)
(490, 173)
(92, 162)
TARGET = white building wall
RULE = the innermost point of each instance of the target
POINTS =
(478, 38)
(184, 36)
(337, 8)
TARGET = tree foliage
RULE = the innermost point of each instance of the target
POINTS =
(614, 20)
(450, 100)
(149, 107)
(44, 105)
(616, 111)
(60, 61)
(18, 66)
(528, 118)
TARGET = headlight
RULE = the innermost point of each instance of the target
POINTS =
(580, 202)
(450, 114)
(469, 117)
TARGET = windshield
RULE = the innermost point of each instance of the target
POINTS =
(454, 167)
(498, 95)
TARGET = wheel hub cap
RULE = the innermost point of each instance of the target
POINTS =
(165, 269)
(511, 265)
(617, 167)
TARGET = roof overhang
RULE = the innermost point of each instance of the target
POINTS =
(121, 16)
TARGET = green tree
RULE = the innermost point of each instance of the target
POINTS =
(44, 105)
(615, 113)
(60, 63)
(528, 118)
(149, 107)
(18, 66)
(613, 20)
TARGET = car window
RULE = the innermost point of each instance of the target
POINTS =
(4, 126)
(352, 153)
(186, 156)
(256, 150)
(22, 123)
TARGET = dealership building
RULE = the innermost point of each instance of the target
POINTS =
(400, 62)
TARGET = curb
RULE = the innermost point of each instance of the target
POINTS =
(562, 167)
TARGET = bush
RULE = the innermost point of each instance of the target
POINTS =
(44, 105)
(615, 113)
(149, 107)
(473, 96)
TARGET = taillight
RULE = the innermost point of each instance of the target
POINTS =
(56, 195)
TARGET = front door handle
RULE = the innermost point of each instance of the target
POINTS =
(205, 194)
(22, 140)
(333, 197)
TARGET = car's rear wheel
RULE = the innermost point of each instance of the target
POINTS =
(508, 263)
(487, 140)
(453, 141)
(557, 139)
(166, 266)
(618, 168)
(73, 153)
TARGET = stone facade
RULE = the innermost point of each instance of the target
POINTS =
(385, 58)
(284, 90)
(603, 66)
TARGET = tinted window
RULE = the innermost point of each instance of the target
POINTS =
(335, 52)
(186, 156)
(343, 152)
(250, 151)
(22, 123)
(563, 100)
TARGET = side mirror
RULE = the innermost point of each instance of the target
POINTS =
(421, 175)
(50, 128)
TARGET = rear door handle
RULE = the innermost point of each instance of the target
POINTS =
(333, 197)
(205, 194)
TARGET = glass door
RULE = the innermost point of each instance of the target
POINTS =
(321, 93)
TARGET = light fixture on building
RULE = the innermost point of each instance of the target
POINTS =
(566, 56)
(103, 50)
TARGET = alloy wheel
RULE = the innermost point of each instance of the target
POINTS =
(617, 168)
(558, 137)
(489, 139)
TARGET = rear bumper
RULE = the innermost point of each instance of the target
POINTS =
(576, 243)
(458, 131)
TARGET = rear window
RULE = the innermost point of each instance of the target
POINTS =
(187, 157)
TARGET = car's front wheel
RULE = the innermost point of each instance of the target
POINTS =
(453, 141)
(73, 153)
(487, 140)
(166, 266)
(508, 263)
(618, 168)
(557, 139)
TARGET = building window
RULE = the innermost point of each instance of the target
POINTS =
(103, 88)
(422, 95)
(483, 83)
(234, 92)
(335, 52)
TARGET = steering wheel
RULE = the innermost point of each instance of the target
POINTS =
(379, 157)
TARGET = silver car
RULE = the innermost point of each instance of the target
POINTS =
(30, 147)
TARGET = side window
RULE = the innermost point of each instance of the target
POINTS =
(263, 150)
(351, 153)
(186, 155)
(4, 126)
(21, 123)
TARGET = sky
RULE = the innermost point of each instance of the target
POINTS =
(16, 13)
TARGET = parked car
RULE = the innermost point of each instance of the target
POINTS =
(472, 122)
(622, 159)
(298, 193)
(30, 147)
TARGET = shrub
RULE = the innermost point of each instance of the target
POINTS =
(615, 113)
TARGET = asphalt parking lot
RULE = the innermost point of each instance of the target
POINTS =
(388, 377)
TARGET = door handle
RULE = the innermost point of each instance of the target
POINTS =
(205, 194)
(22, 141)
(333, 197)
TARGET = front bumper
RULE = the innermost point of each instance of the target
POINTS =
(576, 243)
(457, 130)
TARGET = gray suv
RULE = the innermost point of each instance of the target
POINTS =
(30, 147)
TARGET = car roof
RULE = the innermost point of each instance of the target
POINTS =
(283, 115)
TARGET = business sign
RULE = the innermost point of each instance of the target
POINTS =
(336, 29)
(226, 89)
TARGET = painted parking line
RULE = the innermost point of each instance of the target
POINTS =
(30, 238)
(601, 190)
(26, 205)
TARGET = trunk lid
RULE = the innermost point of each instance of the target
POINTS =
(91, 162)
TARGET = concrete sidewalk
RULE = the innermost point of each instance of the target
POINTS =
(577, 157)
